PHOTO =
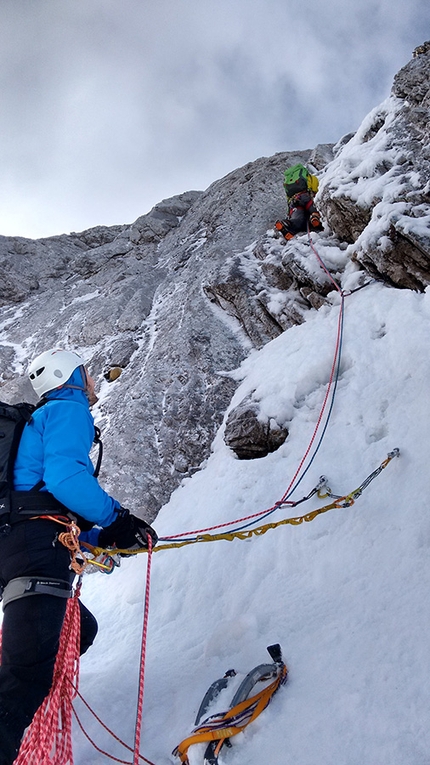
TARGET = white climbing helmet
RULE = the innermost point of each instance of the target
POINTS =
(52, 369)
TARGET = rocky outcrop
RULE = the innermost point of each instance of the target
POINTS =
(376, 192)
(269, 287)
(251, 435)
(164, 217)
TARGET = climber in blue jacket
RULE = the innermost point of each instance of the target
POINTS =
(53, 479)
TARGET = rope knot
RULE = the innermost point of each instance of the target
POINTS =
(70, 540)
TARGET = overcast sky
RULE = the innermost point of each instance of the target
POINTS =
(109, 106)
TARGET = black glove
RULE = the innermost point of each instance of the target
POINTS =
(127, 532)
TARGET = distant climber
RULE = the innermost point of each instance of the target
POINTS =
(300, 187)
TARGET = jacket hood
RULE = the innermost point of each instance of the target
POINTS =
(77, 378)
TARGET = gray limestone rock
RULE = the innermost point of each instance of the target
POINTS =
(411, 83)
(249, 434)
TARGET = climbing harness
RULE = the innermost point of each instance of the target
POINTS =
(217, 729)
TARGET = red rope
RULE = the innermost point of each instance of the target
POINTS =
(138, 727)
(93, 743)
(324, 404)
(228, 523)
(332, 372)
(100, 721)
(48, 740)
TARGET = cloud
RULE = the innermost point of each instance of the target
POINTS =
(108, 107)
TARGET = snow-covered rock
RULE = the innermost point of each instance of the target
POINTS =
(376, 192)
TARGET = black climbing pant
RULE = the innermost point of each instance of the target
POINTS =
(297, 220)
(31, 628)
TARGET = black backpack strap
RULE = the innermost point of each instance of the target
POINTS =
(99, 442)
(26, 504)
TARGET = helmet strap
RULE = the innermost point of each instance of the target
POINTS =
(83, 387)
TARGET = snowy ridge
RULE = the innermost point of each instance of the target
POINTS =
(345, 595)
(381, 175)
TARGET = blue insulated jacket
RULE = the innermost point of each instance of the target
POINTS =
(55, 448)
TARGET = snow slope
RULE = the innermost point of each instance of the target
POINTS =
(346, 595)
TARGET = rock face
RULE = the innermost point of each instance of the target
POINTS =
(376, 193)
(165, 308)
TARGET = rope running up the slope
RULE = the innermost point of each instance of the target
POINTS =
(297, 478)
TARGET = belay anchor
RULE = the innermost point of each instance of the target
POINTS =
(217, 729)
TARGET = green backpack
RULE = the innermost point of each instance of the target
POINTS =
(297, 179)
